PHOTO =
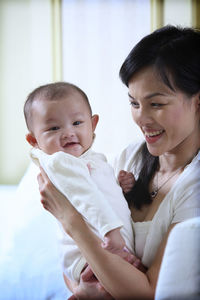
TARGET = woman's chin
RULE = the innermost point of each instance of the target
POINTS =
(154, 150)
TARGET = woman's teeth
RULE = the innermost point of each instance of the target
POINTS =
(153, 133)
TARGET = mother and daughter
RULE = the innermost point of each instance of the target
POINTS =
(159, 176)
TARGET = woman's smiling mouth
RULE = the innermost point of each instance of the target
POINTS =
(153, 133)
(153, 136)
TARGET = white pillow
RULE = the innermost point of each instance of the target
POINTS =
(179, 276)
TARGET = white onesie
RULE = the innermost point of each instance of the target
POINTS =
(94, 192)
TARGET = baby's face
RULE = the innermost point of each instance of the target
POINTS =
(63, 125)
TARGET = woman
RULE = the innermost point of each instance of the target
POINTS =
(162, 74)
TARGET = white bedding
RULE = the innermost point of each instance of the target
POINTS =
(29, 257)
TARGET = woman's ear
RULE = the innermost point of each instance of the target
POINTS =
(95, 119)
(198, 103)
(31, 140)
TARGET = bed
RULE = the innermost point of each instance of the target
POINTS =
(29, 256)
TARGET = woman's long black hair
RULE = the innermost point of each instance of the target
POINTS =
(175, 54)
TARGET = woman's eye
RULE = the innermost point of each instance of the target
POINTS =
(157, 104)
(134, 104)
(77, 123)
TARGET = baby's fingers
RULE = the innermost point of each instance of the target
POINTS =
(121, 174)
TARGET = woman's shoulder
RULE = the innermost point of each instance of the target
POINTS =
(186, 192)
(191, 173)
(129, 158)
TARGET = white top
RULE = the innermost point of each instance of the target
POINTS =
(181, 203)
(96, 195)
(141, 230)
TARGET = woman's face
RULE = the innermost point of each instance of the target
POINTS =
(168, 119)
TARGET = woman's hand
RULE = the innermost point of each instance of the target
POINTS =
(56, 203)
(88, 287)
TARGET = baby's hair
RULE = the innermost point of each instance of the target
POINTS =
(52, 91)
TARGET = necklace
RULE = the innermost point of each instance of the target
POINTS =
(155, 191)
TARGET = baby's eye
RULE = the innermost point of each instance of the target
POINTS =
(77, 123)
(54, 128)
(134, 104)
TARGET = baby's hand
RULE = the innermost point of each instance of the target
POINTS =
(113, 241)
(126, 180)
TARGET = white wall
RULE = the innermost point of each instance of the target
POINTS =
(178, 12)
(26, 62)
(97, 37)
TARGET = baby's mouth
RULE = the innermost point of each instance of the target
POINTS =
(70, 144)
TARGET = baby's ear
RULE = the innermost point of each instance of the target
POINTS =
(31, 140)
(95, 119)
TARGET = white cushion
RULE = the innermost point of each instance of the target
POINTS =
(179, 276)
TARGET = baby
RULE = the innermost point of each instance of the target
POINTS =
(61, 130)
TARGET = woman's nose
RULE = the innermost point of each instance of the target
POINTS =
(142, 116)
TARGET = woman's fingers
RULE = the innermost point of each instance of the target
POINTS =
(54, 201)
(71, 285)
(44, 186)
(40, 180)
(87, 274)
(44, 175)
(72, 298)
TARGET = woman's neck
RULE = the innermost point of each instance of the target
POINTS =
(181, 156)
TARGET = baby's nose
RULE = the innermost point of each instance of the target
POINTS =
(67, 133)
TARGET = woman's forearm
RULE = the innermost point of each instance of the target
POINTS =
(119, 278)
